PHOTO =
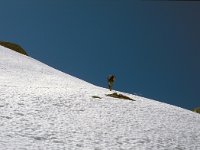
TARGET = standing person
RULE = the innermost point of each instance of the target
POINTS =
(111, 79)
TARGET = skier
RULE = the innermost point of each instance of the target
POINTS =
(111, 79)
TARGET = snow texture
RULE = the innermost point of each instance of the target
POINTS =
(43, 108)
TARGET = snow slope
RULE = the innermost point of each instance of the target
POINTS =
(43, 108)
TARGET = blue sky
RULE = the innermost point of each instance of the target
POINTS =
(151, 46)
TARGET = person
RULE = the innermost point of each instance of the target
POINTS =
(111, 79)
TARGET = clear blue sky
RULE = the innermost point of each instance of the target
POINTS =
(153, 47)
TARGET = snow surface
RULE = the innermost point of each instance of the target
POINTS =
(43, 108)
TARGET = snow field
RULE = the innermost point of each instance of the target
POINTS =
(43, 108)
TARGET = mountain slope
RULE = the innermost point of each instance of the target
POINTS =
(43, 108)
(197, 110)
(14, 47)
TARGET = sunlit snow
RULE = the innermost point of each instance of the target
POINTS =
(43, 108)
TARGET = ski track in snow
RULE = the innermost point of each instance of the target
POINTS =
(42, 108)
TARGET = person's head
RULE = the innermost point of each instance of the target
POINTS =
(111, 78)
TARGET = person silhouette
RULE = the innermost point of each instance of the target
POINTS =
(110, 79)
